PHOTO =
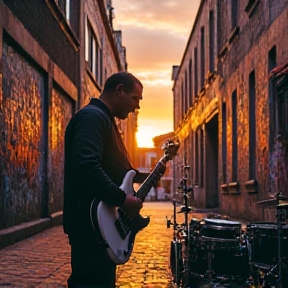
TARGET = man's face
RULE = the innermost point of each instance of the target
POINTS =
(128, 101)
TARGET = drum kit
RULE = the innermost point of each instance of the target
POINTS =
(216, 252)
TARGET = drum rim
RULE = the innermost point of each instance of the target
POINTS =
(228, 228)
(206, 238)
(265, 225)
(223, 221)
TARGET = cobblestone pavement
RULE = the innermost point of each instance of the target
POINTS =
(44, 260)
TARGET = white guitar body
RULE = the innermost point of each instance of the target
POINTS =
(118, 248)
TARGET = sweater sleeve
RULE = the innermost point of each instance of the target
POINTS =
(89, 178)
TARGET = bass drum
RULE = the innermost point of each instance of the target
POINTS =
(176, 262)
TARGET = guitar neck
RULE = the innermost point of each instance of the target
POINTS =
(150, 180)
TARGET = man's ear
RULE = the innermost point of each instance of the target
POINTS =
(119, 88)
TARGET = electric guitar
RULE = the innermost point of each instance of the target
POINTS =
(117, 230)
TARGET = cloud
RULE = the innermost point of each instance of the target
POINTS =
(154, 77)
(173, 16)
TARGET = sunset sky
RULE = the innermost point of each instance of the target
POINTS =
(155, 34)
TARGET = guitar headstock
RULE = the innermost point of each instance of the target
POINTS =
(171, 147)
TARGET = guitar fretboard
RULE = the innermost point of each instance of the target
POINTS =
(151, 179)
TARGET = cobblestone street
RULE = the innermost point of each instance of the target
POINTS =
(44, 259)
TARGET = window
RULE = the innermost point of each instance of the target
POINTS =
(283, 110)
(196, 180)
(272, 97)
(224, 143)
(202, 57)
(211, 42)
(190, 84)
(64, 5)
(251, 7)
(234, 13)
(252, 127)
(195, 72)
(282, 106)
(191, 158)
(234, 138)
(93, 53)
(201, 158)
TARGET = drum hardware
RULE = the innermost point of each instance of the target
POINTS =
(186, 209)
(218, 259)
(262, 236)
(179, 260)
(280, 215)
(176, 247)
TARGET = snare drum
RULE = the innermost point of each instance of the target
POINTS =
(220, 228)
(219, 246)
(263, 237)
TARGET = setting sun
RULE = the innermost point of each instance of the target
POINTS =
(144, 138)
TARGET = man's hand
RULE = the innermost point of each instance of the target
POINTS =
(131, 206)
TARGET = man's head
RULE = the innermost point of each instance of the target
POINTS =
(122, 93)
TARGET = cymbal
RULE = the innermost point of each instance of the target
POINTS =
(272, 202)
(282, 206)
(183, 210)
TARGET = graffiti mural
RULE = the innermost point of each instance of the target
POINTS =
(22, 145)
(60, 113)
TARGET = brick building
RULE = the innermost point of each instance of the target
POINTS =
(54, 56)
(230, 106)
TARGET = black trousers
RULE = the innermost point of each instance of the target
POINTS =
(91, 266)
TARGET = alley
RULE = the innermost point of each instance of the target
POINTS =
(44, 259)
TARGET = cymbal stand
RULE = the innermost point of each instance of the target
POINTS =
(186, 209)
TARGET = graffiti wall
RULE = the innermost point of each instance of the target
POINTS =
(22, 143)
(61, 111)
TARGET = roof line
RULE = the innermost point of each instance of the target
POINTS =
(187, 45)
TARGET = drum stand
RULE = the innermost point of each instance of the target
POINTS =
(281, 216)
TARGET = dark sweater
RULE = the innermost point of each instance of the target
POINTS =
(96, 162)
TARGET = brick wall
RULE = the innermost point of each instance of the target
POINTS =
(241, 53)
(36, 101)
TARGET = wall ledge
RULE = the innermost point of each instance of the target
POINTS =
(224, 188)
(234, 35)
(234, 188)
(250, 8)
(251, 186)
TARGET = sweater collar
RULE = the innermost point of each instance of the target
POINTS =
(98, 103)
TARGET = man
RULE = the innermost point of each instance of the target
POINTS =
(96, 162)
